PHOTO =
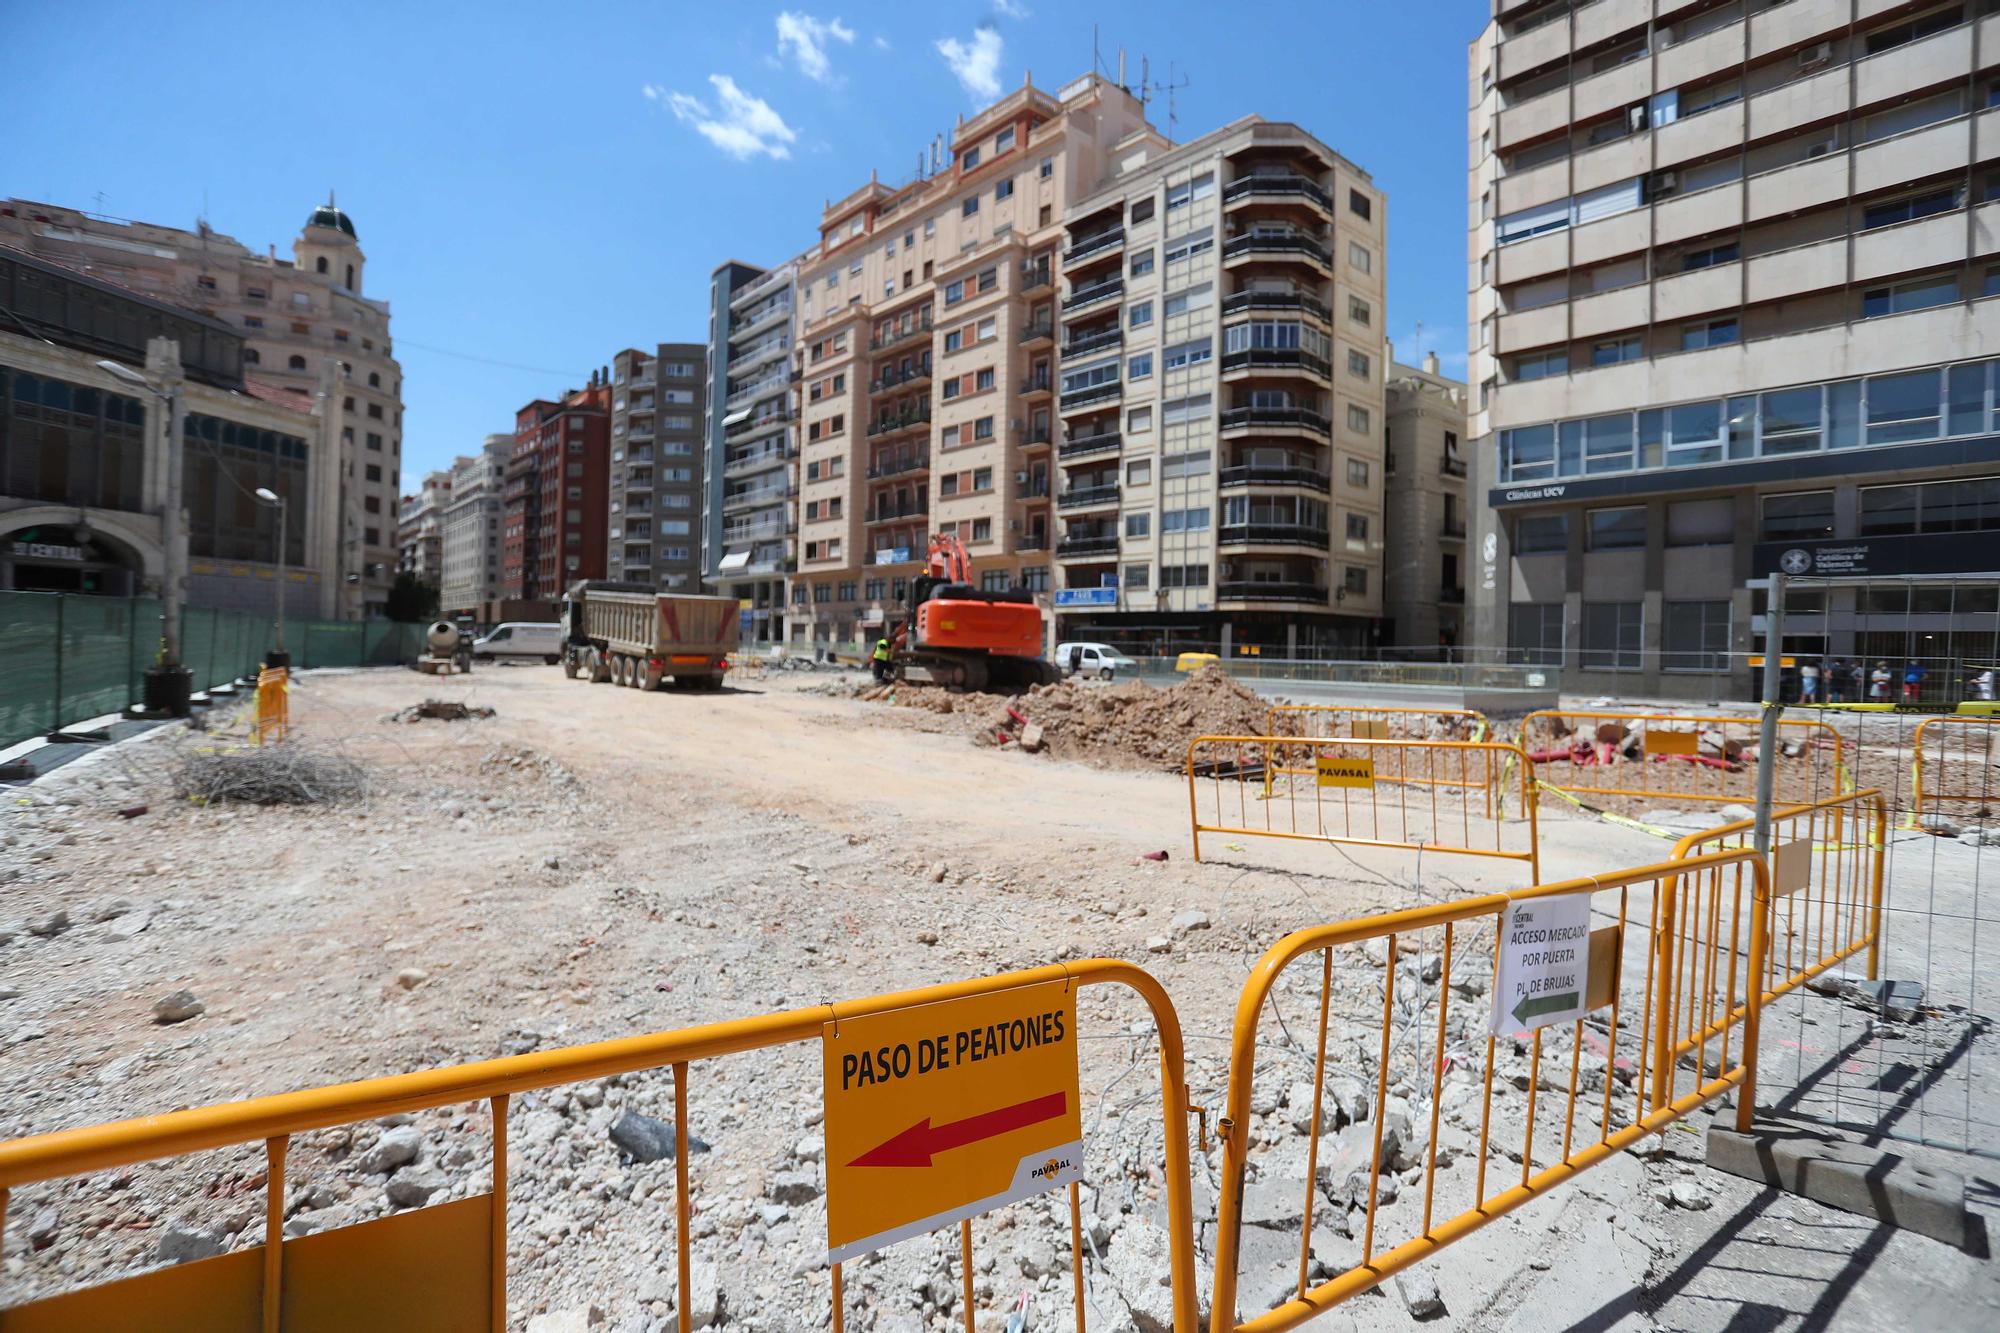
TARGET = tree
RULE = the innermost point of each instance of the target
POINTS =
(411, 600)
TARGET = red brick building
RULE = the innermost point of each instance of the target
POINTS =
(555, 484)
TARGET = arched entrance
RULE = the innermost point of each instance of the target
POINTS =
(68, 557)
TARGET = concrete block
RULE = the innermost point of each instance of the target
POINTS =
(1853, 1177)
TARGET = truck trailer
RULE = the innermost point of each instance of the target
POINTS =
(632, 634)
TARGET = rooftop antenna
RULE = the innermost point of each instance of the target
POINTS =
(1172, 86)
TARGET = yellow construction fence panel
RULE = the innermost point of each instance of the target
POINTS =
(425, 1271)
(219, 1295)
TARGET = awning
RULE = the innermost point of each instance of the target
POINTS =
(733, 561)
(735, 417)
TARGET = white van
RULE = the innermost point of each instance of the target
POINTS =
(518, 639)
(1099, 660)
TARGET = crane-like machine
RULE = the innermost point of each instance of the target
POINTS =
(965, 637)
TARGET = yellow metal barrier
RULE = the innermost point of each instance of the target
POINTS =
(1675, 757)
(1962, 771)
(1370, 723)
(1641, 996)
(1826, 871)
(1441, 796)
(274, 714)
(446, 1265)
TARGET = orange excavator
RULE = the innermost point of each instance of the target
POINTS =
(964, 637)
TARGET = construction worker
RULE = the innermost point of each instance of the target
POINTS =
(882, 659)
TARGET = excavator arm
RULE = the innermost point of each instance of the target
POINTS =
(948, 559)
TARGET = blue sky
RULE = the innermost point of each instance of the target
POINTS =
(540, 186)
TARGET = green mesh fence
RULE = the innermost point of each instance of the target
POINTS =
(64, 659)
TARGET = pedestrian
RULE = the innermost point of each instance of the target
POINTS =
(1982, 685)
(1913, 683)
(882, 659)
(1858, 677)
(1808, 683)
(1835, 677)
(1878, 683)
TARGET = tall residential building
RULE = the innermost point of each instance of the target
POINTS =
(747, 523)
(471, 555)
(1221, 398)
(554, 505)
(305, 326)
(1423, 552)
(420, 529)
(1728, 265)
(654, 498)
(927, 359)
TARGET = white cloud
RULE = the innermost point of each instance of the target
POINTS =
(804, 38)
(976, 63)
(742, 126)
(1012, 9)
(881, 43)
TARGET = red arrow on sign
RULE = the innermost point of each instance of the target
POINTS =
(914, 1146)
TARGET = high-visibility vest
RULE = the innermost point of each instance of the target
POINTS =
(881, 650)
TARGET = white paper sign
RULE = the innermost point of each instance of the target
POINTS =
(1544, 963)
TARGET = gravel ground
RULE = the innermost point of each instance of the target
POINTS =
(591, 863)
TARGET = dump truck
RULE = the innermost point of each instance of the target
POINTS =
(632, 634)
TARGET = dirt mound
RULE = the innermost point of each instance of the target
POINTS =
(1132, 725)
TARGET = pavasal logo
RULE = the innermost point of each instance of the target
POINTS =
(1049, 1169)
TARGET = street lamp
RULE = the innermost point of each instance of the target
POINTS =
(278, 657)
(168, 685)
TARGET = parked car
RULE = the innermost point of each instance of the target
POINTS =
(1100, 660)
(519, 639)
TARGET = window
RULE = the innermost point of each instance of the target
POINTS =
(1357, 364)
(1142, 210)
(1179, 411)
(1048, 168)
(1357, 418)
(297, 363)
(1185, 520)
(1188, 246)
(1611, 636)
(1709, 333)
(1709, 258)
(1139, 419)
(969, 207)
(374, 472)
(374, 440)
(1535, 632)
(1359, 205)
(1701, 522)
(930, 227)
(1003, 190)
(1620, 529)
(1090, 376)
(1357, 530)
(1359, 311)
(1357, 473)
(1799, 515)
(1540, 365)
(1141, 366)
(1903, 407)
(1921, 294)
(982, 529)
(1183, 576)
(1139, 472)
(1182, 355)
(1694, 636)
(982, 429)
(983, 379)
(982, 479)
(1541, 534)
(968, 159)
(1186, 192)
(369, 536)
(988, 278)
(1140, 314)
(1138, 525)
(1354, 580)
(954, 292)
(954, 340)
(1612, 351)
(1359, 257)
(1003, 141)
(1142, 263)
(988, 327)
(1137, 578)
(1889, 511)
(1176, 466)
(1192, 299)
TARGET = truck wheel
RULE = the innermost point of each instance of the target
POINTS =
(649, 677)
(569, 665)
(552, 659)
(597, 666)
(620, 670)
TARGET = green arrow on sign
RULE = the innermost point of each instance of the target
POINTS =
(1529, 1007)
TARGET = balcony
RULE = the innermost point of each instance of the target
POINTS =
(1239, 303)
(1277, 418)
(1277, 358)
(1094, 342)
(1042, 331)
(1262, 474)
(1276, 246)
(893, 376)
(752, 425)
(1104, 243)
(1452, 527)
(750, 393)
(890, 513)
(1100, 395)
(1035, 437)
(1031, 541)
(1035, 275)
(899, 467)
(1100, 547)
(1272, 534)
(1086, 446)
(1450, 466)
(1038, 382)
(901, 421)
(881, 344)
(1080, 297)
(1451, 595)
(774, 526)
(1265, 591)
(762, 495)
(1085, 497)
(754, 462)
(1285, 188)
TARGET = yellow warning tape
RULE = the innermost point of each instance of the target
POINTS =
(1608, 816)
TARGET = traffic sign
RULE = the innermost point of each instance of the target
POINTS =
(1544, 968)
(1336, 772)
(945, 1111)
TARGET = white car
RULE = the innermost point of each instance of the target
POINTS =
(520, 639)
(1099, 660)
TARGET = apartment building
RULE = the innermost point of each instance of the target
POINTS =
(554, 495)
(307, 330)
(1220, 399)
(1423, 554)
(654, 498)
(748, 527)
(470, 560)
(926, 357)
(420, 529)
(1729, 264)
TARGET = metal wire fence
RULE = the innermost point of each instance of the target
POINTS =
(67, 658)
